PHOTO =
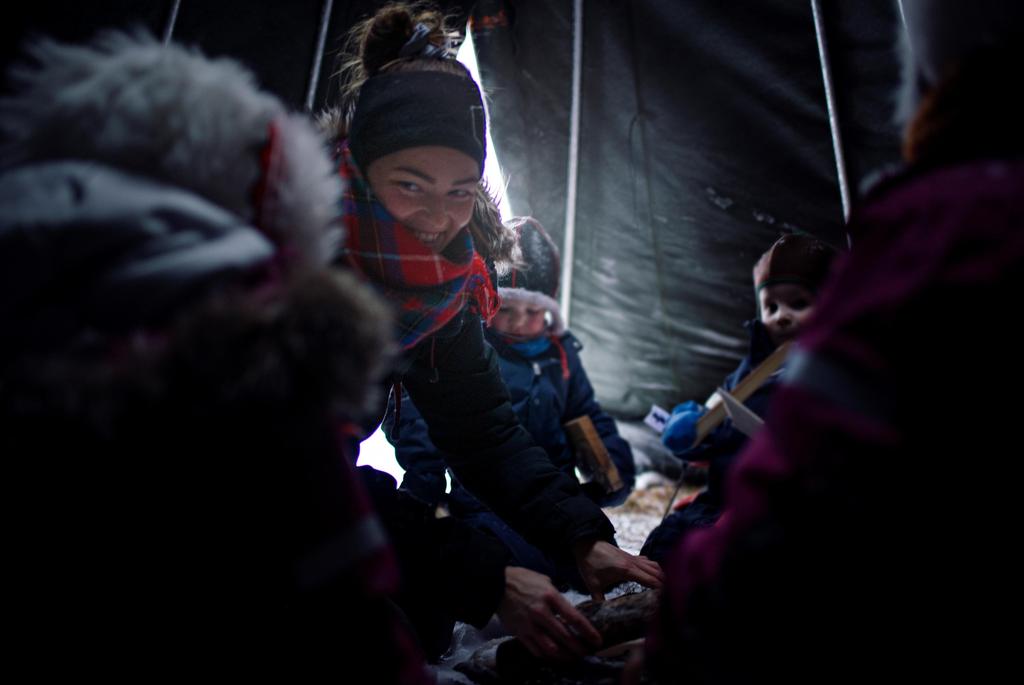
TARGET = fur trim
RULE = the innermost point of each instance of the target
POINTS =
(300, 210)
(323, 343)
(330, 123)
(319, 345)
(539, 299)
(130, 102)
(170, 113)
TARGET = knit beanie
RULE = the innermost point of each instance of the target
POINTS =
(794, 258)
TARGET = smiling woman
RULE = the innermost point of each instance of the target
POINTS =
(375, 450)
(412, 151)
(430, 189)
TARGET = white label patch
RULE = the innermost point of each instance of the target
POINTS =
(657, 418)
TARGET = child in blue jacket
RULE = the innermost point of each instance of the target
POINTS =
(540, 363)
(786, 281)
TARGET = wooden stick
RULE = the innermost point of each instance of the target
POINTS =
(744, 389)
(591, 451)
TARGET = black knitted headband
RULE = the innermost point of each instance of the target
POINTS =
(406, 109)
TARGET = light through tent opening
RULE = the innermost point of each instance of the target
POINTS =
(492, 169)
(376, 451)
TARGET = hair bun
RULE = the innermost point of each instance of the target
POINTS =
(387, 33)
(390, 29)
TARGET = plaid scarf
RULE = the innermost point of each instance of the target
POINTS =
(428, 289)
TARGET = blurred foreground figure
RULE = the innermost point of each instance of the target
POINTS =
(867, 530)
(176, 369)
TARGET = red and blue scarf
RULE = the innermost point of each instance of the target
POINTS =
(427, 289)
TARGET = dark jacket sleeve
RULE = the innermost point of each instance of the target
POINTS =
(580, 401)
(462, 397)
(447, 567)
(424, 464)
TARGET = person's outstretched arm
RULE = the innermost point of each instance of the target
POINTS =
(459, 390)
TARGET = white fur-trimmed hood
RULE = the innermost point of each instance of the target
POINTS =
(538, 299)
(173, 115)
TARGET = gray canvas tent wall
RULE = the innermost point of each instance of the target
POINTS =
(703, 133)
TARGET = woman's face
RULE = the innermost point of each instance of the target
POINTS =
(429, 189)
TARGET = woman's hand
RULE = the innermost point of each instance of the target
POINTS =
(603, 565)
(543, 620)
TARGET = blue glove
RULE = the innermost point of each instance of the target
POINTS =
(681, 429)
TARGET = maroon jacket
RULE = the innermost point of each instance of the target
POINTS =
(868, 528)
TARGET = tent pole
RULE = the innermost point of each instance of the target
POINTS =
(171, 21)
(574, 148)
(318, 54)
(833, 118)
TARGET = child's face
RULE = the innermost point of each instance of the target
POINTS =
(520, 320)
(429, 189)
(784, 309)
